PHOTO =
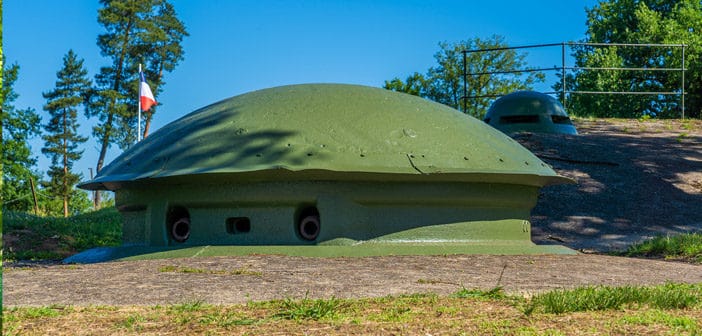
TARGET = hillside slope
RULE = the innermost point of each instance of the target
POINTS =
(635, 180)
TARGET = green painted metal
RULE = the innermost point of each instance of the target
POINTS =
(127, 253)
(376, 166)
(332, 129)
(360, 250)
(529, 111)
(356, 211)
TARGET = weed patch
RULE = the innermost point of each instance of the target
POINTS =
(494, 294)
(654, 317)
(132, 322)
(189, 306)
(29, 237)
(598, 298)
(308, 309)
(686, 247)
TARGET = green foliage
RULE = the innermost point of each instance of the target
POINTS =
(52, 206)
(18, 126)
(146, 32)
(132, 323)
(415, 84)
(52, 238)
(443, 83)
(136, 32)
(495, 293)
(403, 314)
(596, 298)
(190, 306)
(652, 317)
(685, 246)
(42, 311)
(308, 309)
(61, 137)
(655, 21)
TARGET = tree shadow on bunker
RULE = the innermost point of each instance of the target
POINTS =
(205, 143)
(626, 190)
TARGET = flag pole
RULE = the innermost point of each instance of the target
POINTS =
(139, 108)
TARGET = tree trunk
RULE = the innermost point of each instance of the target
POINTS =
(34, 196)
(103, 152)
(66, 188)
(146, 125)
(110, 115)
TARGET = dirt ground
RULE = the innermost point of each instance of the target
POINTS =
(634, 180)
(226, 280)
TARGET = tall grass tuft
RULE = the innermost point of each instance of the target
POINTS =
(309, 309)
(67, 235)
(685, 246)
(596, 298)
(496, 293)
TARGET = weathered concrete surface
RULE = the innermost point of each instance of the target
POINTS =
(150, 282)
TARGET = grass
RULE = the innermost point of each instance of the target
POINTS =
(599, 298)
(679, 324)
(308, 309)
(672, 309)
(687, 124)
(685, 247)
(681, 137)
(493, 294)
(186, 269)
(29, 237)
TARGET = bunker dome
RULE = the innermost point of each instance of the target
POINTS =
(529, 111)
(328, 164)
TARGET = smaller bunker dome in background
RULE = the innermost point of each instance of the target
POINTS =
(529, 111)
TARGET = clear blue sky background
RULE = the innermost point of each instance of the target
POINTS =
(239, 46)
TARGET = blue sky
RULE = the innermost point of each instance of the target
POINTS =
(239, 46)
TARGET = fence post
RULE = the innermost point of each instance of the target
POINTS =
(465, 83)
(563, 72)
(682, 88)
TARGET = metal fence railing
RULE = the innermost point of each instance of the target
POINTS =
(679, 91)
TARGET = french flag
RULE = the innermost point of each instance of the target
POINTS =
(145, 95)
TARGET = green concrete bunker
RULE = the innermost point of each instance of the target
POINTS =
(340, 168)
(529, 111)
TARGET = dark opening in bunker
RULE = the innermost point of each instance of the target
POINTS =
(238, 225)
(559, 119)
(520, 119)
(308, 223)
(178, 223)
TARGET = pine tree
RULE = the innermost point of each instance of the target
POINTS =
(163, 51)
(18, 126)
(61, 139)
(137, 31)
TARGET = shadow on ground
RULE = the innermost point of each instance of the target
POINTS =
(635, 180)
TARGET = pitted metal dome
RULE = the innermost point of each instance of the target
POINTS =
(326, 132)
